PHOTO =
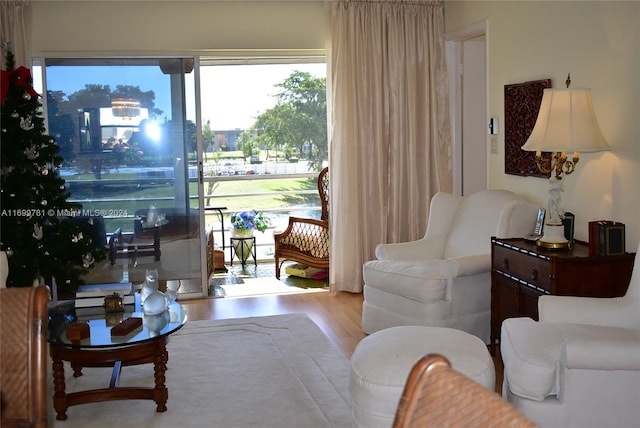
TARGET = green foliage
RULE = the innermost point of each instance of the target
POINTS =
(34, 231)
(249, 220)
(298, 120)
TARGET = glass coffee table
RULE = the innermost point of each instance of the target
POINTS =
(142, 345)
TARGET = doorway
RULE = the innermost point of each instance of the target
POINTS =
(466, 58)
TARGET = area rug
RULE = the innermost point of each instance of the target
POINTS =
(277, 371)
(262, 286)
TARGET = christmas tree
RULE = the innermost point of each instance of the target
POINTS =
(36, 231)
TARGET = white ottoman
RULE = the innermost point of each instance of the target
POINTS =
(382, 361)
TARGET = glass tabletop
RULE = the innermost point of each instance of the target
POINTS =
(100, 324)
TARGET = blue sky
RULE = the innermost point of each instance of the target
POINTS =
(231, 96)
(72, 79)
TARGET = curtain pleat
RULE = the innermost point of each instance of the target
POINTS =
(390, 135)
(15, 31)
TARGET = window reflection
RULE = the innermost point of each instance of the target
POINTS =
(129, 147)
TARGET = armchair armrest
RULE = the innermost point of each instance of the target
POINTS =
(602, 354)
(472, 265)
(422, 249)
(611, 311)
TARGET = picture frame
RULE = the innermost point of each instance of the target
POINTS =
(521, 105)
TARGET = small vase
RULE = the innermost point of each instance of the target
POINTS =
(241, 233)
(242, 246)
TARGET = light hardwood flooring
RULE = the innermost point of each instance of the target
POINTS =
(337, 314)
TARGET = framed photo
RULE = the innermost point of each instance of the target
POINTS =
(539, 221)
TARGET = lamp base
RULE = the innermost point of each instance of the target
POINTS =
(553, 238)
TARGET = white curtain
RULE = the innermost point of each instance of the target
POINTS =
(390, 148)
(15, 32)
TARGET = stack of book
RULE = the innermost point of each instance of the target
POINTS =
(92, 295)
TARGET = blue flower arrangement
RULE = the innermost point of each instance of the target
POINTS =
(249, 220)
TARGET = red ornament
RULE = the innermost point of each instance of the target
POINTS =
(21, 76)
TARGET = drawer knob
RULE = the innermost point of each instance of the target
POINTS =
(534, 273)
(505, 262)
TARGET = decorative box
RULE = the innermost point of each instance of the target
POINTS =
(606, 238)
(76, 331)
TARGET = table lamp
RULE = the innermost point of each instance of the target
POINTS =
(566, 123)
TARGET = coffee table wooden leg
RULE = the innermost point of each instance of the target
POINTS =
(160, 392)
(77, 369)
(60, 397)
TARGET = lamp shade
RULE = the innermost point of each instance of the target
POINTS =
(566, 123)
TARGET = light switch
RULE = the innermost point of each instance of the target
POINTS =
(493, 126)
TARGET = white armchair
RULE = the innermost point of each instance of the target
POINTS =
(580, 364)
(443, 279)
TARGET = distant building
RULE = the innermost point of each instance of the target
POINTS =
(226, 138)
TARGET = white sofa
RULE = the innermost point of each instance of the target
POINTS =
(579, 366)
(443, 279)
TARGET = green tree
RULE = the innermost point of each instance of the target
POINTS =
(248, 143)
(208, 137)
(100, 96)
(299, 118)
(61, 126)
(273, 127)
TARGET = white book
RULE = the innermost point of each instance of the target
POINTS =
(87, 302)
(103, 290)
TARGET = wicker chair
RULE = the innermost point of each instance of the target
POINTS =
(435, 395)
(23, 357)
(215, 256)
(306, 240)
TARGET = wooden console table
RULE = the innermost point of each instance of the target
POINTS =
(521, 272)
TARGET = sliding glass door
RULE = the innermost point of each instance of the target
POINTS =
(127, 131)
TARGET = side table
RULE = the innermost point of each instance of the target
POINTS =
(521, 272)
(243, 247)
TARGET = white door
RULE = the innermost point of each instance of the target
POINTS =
(466, 58)
(474, 131)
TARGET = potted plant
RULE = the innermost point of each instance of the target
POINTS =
(243, 223)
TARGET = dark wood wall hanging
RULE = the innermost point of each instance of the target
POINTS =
(521, 105)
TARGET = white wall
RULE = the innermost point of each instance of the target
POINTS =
(598, 42)
(153, 27)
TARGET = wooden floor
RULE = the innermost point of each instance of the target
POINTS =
(337, 314)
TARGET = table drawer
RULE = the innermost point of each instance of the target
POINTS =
(523, 267)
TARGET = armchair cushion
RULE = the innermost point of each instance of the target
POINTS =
(424, 281)
(531, 351)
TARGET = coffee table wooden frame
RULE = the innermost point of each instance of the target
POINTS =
(154, 351)
(145, 346)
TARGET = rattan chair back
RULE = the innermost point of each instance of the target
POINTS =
(435, 395)
(23, 358)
